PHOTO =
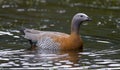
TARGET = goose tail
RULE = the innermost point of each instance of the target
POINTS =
(22, 30)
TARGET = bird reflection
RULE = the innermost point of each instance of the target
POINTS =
(41, 55)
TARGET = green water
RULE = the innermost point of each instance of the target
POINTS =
(101, 36)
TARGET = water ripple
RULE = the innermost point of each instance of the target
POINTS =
(5, 33)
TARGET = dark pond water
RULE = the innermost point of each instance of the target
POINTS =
(101, 36)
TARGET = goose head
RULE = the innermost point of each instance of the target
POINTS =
(81, 17)
(77, 20)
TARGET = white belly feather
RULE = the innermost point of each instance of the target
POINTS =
(47, 43)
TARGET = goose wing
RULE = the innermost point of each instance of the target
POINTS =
(35, 35)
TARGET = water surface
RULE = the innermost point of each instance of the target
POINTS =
(101, 36)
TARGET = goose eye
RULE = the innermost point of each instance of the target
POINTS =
(81, 15)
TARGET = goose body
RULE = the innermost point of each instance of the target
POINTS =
(57, 40)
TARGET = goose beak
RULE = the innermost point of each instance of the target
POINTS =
(89, 19)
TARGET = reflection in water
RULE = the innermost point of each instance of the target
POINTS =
(43, 58)
(69, 57)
